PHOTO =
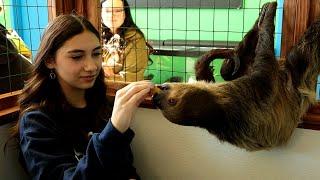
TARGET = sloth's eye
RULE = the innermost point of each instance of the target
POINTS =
(172, 101)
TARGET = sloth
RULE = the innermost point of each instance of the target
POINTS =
(260, 109)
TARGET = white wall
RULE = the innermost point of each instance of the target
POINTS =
(163, 150)
(167, 151)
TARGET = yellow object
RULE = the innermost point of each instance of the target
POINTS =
(20, 44)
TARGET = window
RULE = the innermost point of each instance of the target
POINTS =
(179, 32)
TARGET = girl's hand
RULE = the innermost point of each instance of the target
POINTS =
(126, 103)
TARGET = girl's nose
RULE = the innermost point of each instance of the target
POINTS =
(90, 65)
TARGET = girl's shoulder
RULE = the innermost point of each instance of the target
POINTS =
(36, 120)
(35, 115)
(133, 34)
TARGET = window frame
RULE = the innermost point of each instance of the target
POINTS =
(297, 16)
(232, 4)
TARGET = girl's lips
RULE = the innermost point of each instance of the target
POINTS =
(88, 78)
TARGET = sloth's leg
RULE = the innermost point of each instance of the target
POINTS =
(265, 62)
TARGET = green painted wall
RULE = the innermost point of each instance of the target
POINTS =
(5, 13)
(193, 24)
(165, 67)
(198, 24)
(190, 24)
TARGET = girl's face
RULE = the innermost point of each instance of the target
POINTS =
(113, 14)
(78, 62)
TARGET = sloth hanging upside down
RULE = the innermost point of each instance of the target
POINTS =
(260, 108)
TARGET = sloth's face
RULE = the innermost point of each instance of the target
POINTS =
(185, 104)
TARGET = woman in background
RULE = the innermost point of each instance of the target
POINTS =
(128, 62)
(67, 127)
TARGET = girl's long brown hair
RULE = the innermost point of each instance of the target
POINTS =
(41, 91)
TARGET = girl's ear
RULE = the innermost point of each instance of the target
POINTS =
(50, 63)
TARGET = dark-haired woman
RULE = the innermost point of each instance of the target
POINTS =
(130, 63)
(67, 128)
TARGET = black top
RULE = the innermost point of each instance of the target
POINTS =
(65, 146)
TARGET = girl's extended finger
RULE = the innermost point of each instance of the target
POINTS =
(124, 90)
(137, 98)
(128, 92)
(134, 90)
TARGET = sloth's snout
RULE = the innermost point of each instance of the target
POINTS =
(156, 98)
(164, 87)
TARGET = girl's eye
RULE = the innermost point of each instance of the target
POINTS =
(76, 57)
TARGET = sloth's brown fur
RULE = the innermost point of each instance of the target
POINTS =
(237, 61)
(260, 109)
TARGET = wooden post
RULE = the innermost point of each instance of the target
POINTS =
(87, 8)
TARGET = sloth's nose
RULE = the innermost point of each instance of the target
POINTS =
(164, 87)
(156, 100)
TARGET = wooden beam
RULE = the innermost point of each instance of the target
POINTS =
(314, 12)
(51, 10)
(87, 8)
(9, 100)
(94, 13)
(295, 22)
